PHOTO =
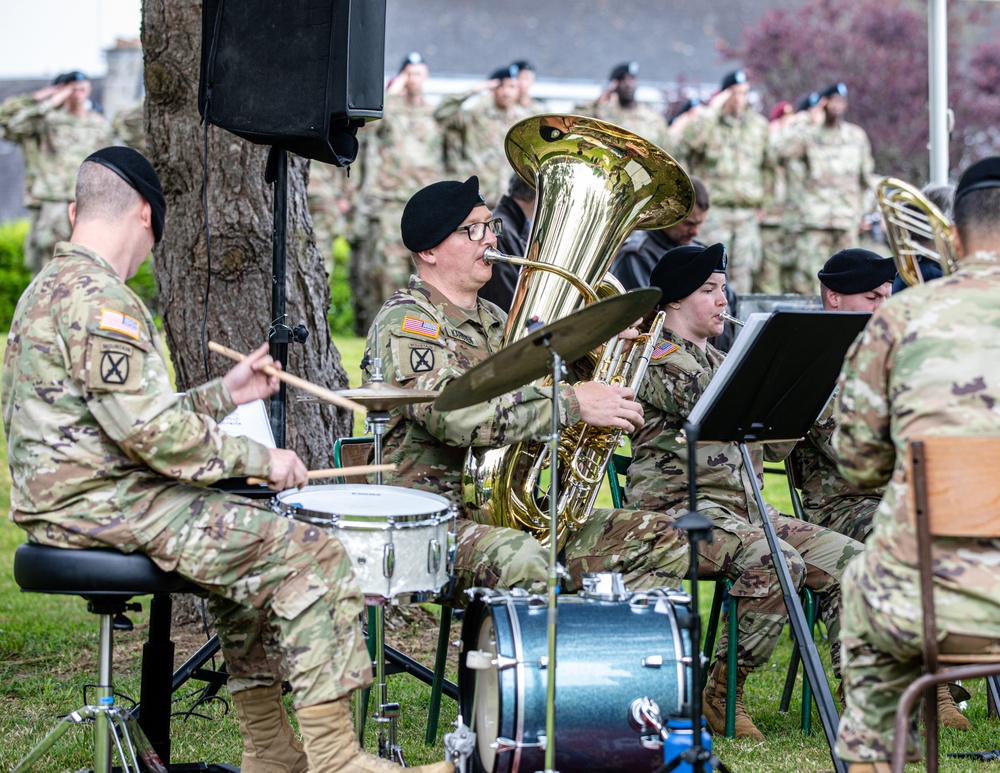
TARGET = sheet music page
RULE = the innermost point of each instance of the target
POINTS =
(751, 329)
(249, 420)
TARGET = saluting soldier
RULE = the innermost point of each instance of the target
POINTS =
(617, 104)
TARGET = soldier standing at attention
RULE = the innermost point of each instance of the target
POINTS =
(401, 153)
(835, 158)
(692, 279)
(56, 128)
(617, 104)
(927, 364)
(726, 146)
(83, 353)
(474, 133)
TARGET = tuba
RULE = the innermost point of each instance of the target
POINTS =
(594, 184)
(916, 228)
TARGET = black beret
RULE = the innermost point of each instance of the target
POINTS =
(524, 64)
(731, 79)
(982, 174)
(69, 77)
(623, 69)
(687, 104)
(836, 88)
(134, 169)
(510, 71)
(434, 212)
(413, 57)
(856, 271)
(683, 270)
(809, 100)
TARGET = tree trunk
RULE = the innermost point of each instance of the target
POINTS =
(240, 226)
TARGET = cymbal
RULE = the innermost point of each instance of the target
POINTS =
(380, 396)
(528, 359)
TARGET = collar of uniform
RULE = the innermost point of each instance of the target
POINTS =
(696, 351)
(455, 313)
(980, 258)
(67, 249)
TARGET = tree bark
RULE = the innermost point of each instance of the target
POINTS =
(240, 226)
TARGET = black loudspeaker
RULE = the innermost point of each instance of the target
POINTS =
(302, 75)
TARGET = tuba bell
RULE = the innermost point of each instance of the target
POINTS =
(594, 184)
(916, 228)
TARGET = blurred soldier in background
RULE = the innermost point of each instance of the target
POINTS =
(515, 208)
(617, 105)
(57, 128)
(726, 145)
(525, 80)
(772, 219)
(129, 126)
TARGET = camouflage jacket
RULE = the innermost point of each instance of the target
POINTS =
(837, 169)
(729, 154)
(54, 144)
(928, 363)
(94, 429)
(677, 376)
(425, 342)
(641, 119)
(474, 140)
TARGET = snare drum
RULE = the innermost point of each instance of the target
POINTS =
(611, 653)
(399, 540)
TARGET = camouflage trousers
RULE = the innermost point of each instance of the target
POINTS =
(739, 229)
(816, 558)
(644, 547)
(881, 658)
(849, 515)
(49, 224)
(772, 241)
(283, 593)
(380, 262)
(808, 251)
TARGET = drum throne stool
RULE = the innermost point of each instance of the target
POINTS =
(108, 580)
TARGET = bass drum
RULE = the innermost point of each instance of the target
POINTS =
(611, 653)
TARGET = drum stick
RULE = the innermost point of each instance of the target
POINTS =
(288, 378)
(333, 472)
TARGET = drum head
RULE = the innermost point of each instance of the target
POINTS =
(364, 503)
(487, 705)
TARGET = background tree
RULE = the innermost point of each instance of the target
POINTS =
(239, 213)
(879, 49)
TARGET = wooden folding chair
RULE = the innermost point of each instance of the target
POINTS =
(954, 492)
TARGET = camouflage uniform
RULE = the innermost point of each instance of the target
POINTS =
(838, 168)
(827, 499)
(678, 373)
(729, 154)
(103, 454)
(54, 143)
(426, 341)
(928, 363)
(639, 119)
(130, 127)
(772, 233)
(474, 140)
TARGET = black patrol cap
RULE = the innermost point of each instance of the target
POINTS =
(413, 57)
(682, 270)
(135, 169)
(982, 174)
(856, 271)
(625, 68)
(837, 89)
(69, 77)
(510, 71)
(732, 79)
(434, 212)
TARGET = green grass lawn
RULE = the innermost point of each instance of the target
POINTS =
(48, 646)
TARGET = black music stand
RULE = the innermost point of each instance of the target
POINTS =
(773, 386)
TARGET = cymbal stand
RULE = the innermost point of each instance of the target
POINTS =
(386, 712)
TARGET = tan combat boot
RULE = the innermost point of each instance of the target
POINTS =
(948, 713)
(328, 731)
(269, 744)
(714, 703)
(869, 767)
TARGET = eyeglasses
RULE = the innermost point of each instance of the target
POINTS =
(477, 231)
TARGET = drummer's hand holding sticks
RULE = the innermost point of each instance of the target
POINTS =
(256, 376)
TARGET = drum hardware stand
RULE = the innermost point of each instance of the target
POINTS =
(459, 745)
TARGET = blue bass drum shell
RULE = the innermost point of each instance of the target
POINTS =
(609, 654)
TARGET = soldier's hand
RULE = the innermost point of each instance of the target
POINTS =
(631, 332)
(247, 381)
(608, 406)
(719, 99)
(287, 470)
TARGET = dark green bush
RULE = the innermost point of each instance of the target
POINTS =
(14, 277)
(144, 284)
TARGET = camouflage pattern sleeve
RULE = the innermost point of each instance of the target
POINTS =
(21, 117)
(864, 450)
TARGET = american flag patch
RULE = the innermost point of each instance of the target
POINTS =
(120, 323)
(663, 350)
(420, 327)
